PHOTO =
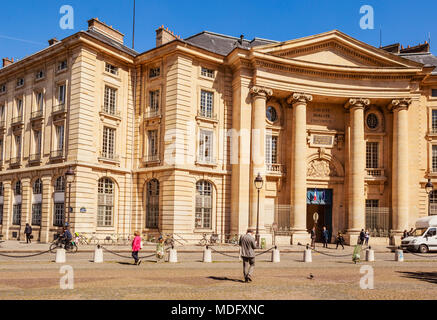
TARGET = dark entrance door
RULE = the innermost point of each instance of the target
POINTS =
(319, 201)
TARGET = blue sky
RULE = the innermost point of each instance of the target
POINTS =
(26, 25)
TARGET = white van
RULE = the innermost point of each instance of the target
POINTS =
(424, 238)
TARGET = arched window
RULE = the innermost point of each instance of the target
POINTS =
(105, 203)
(152, 204)
(58, 198)
(37, 202)
(16, 213)
(203, 205)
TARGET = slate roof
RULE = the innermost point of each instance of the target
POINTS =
(111, 42)
(222, 44)
(428, 59)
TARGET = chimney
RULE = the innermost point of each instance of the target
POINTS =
(7, 62)
(241, 39)
(103, 28)
(164, 36)
(53, 41)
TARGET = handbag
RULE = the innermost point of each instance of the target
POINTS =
(31, 236)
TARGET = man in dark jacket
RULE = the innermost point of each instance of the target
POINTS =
(313, 237)
(362, 236)
(248, 246)
(28, 233)
(325, 236)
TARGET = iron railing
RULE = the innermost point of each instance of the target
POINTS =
(378, 221)
(59, 108)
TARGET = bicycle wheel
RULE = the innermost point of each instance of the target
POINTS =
(72, 248)
(202, 242)
(53, 247)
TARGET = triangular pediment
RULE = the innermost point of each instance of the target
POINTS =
(335, 48)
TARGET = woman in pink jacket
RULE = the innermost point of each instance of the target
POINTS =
(136, 246)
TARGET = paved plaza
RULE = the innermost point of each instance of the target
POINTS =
(327, 277)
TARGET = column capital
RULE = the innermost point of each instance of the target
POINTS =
(299, 97)
(400, 104)
(357, 103)
(261, 91)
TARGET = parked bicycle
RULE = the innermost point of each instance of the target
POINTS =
(168, 239)
(81, 239)
(213, 239)
(59, 243)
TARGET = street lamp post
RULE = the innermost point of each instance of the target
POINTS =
(69, 177)
(259, 182)
(429, 188)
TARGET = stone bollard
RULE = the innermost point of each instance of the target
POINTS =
(60, 256)
(307, 255)
(98, 255)
(276, 256)
(370, 254)
(207, 256)
(173, 256)
(399, 255)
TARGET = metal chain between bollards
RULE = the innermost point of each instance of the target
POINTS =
(222, 253)
(26, 256)
(419, 255)
(126, 257)
(327, 254)
(266, 251)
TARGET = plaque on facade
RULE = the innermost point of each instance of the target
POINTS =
(319, 140)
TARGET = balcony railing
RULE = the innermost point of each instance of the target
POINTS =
(152, 113)
(275, 168)
(375, 172)
(204, 114)
(36, 115)
(57, 154)
(109, 156)
(206, 160)
(109, 112)
(60, 108)
(15, 161)
(17, 120)
(151, 158)
(35, 157)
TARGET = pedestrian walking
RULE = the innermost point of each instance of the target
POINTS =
(313, 237)
(248, 246)
(405, 234)
(325, 236)
(136, 246)
(367, 237)
(28, 233)
(339, 240)
(362, 237)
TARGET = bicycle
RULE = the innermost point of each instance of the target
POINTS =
(212, 240)
(93, 238)
(81, 239)
(59, 243)
(234, 240)
(168, 239)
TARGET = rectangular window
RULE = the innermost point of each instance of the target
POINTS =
(153, 143)
(18, 146)
(207, 72)
(60, 137)
(108, 143)
(20, 82)
(154, 72)
(3, 88)
(206, 104)
(39, 101)
(62, 65)
(271, 149)
(110, 100)
(58, 215)
(372, 155)
(154, 101)
(434, 121)
(434, 92)
(37, 141)
(16, 215)
(111, 69)
(19, 107)
(61, 94)
(1, 149)
(36, 214)
(39, 74)
(2, 113)
(434, 158)
(1, 213)
(377, 219)
(205, 146)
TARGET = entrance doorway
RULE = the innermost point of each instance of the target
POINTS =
(319, 201)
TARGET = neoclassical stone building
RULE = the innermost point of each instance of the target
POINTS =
(172, 139)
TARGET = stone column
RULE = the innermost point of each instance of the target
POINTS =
(26, 214)
(400, 168)
(7, 209)
(258, 165)
(357, 168)
(299, 168)
(46, 209)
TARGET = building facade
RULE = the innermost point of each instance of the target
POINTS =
(171, 140)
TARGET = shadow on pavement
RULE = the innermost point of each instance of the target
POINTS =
(225, 279)
(423, 276)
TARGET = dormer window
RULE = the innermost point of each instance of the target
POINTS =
(40, 75)
(2, 88)
(20, 82)
(62, 65)
(111, 69)
(154, 72)
(205, 72)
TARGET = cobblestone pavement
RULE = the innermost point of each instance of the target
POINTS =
(116, 278)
